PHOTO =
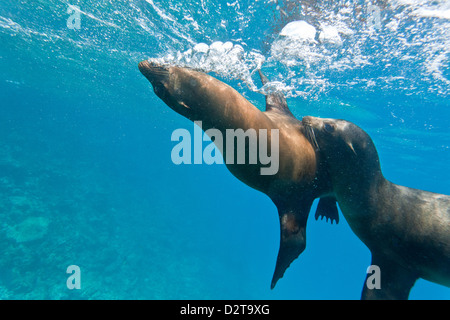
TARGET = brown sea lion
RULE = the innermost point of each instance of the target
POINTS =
(407, 230)
(298, 181)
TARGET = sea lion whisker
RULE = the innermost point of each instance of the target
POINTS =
(312, 137)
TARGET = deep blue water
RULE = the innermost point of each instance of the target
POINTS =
(86, 176)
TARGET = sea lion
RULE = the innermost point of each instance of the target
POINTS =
(299, 180)
(407, 230)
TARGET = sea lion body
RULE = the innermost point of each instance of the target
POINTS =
(407, 230)
(298, 181)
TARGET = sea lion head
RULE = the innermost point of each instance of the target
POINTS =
(345, 147)
(174, 85)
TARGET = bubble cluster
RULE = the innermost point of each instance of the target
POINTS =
(223, 58)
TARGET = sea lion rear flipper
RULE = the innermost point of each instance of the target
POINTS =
(327, 208)
(293, 238)
(275, 100)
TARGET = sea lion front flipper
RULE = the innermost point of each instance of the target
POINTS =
(292, 238)
(395, 281)
(327, 208)
(275, 100)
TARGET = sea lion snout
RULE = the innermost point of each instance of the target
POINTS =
(155, 73)
(311, 121)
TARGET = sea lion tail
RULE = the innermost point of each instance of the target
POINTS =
(293, 237)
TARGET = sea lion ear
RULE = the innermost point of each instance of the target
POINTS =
(351, 147)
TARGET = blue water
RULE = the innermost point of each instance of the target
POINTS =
(86, 176)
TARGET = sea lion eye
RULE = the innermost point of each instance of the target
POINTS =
(328, 127)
